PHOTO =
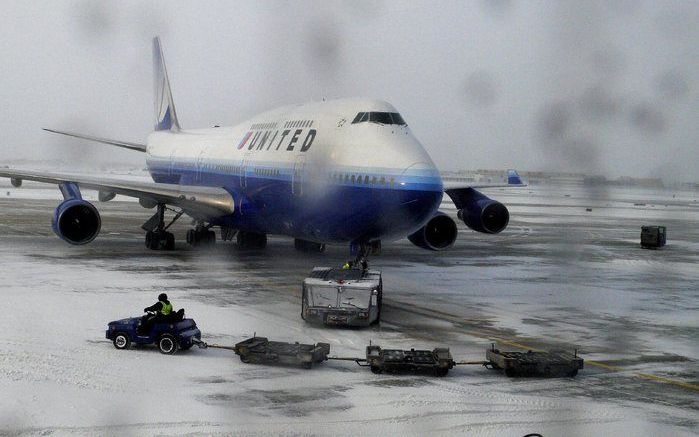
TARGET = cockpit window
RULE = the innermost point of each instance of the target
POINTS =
(380, 118)
(397, 119)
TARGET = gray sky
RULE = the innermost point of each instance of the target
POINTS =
(599, 86)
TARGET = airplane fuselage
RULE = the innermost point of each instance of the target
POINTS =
(321, 172)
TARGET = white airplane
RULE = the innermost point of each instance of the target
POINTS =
(338, 171)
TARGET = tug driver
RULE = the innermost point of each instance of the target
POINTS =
(162, 309)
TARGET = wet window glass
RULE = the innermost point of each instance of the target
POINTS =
(397, 119)
(380, 118)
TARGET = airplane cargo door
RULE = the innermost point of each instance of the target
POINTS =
(200, 164)
(297, 176)
(244, 166)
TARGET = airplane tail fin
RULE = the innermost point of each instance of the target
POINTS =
(165, 115)
(513, 178)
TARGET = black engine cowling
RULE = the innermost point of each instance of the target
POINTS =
(483, 214)
(438, 234)
(76, 221)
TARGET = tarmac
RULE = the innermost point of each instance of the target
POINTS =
(560, 277)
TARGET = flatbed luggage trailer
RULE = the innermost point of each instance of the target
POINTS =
(437, 361)
(262, 351)
(551, 364)
(653, 237)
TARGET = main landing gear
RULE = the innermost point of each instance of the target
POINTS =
(201, 236)
(157, 237)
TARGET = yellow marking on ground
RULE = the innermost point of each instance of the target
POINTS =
(687, 385)
(602, 365)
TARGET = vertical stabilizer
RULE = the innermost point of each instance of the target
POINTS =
(165, 115)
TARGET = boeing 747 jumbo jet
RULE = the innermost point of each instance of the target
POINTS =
(337, 171)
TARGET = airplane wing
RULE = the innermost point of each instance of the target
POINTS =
(202, 203)
(513, 180)
(125, 144)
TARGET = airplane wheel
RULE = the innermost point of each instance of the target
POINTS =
(191, 237)
(153, 240)
(169, 241)
(210, 237)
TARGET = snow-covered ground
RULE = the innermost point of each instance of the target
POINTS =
(545, 281)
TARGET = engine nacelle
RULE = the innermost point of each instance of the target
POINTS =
(76, 221)
(438, 234)
(483, 214)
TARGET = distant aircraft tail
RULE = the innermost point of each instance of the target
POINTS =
(513, 178)
(165, 115)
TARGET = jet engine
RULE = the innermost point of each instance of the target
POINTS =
(438, 234)
(76, 221)
(483, 214)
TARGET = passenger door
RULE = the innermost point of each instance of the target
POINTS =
(200, 170)
(244, 167)
(298, 175)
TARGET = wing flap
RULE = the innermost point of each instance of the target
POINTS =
(198, 202)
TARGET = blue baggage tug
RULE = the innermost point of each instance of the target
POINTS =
(168, 337)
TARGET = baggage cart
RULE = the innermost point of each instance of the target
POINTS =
(259, 350)
(547, 364)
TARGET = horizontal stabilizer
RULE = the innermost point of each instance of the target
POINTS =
(124, 144)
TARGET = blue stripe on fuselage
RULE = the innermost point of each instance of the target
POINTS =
(331, 208)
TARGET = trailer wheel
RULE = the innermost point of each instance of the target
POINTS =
(510, 372)
(376, 369)
(441, 371)
(244, 359)
(167, 344)
(121, 341)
